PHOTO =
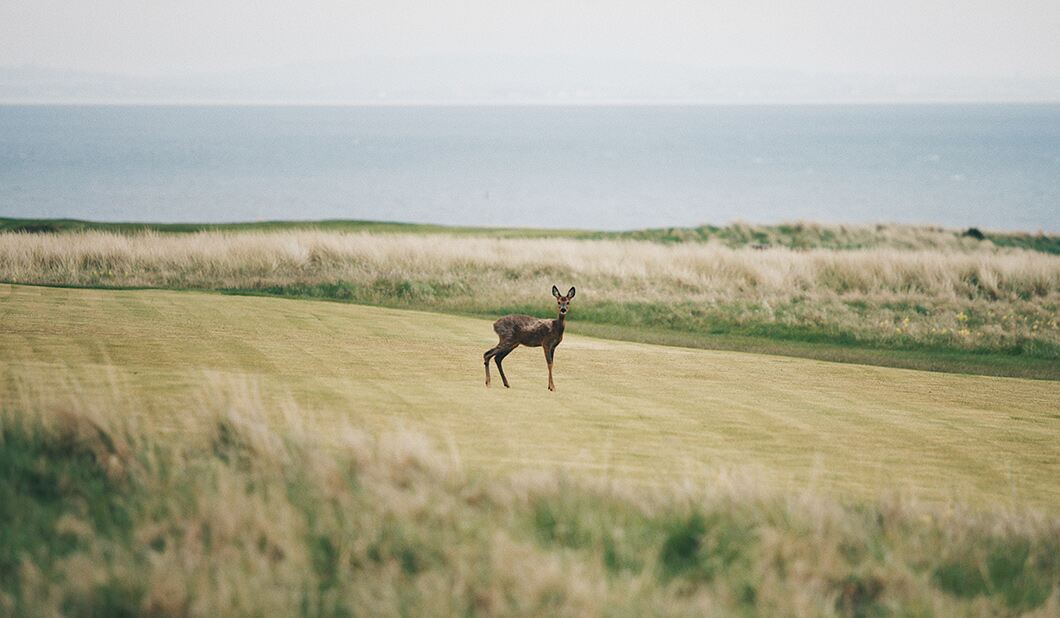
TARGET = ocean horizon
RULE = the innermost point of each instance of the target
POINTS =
(994, 166)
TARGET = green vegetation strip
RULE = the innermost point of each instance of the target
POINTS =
(51, 226)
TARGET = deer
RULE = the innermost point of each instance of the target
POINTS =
(515, 330)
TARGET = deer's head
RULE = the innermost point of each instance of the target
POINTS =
(562, 301)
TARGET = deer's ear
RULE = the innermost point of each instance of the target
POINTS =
(555, 291)
(570, 294)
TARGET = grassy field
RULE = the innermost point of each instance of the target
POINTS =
(186, 453)
(187, 443)
(987, 311)
(630, 410)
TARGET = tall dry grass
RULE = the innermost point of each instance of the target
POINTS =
(646, 270)
(248, 513)
(992, 299)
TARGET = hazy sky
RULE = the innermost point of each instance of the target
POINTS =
(983, 40)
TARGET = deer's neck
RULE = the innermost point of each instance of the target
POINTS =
(558, 323)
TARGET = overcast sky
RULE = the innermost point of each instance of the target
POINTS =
(984, 41)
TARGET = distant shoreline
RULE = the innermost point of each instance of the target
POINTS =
(524, 103)
(734, 233)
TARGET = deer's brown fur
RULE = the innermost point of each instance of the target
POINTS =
(517, 330)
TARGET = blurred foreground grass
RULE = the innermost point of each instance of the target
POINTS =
(248, 511)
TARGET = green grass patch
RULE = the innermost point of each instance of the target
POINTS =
(1045, 243)
(56, 489)
(1010, 569)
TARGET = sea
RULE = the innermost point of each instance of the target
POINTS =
(591, 167)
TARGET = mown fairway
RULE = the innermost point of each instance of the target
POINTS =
(644, 412)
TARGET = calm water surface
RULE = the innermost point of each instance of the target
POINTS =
(994, 166)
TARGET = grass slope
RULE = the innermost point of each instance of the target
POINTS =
(628, 410)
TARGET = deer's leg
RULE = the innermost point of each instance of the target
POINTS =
(498, 358)
(549, 351)
(486, 359)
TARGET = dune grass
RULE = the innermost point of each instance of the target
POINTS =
(793, 235)
(644, 413)
(985, 311)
